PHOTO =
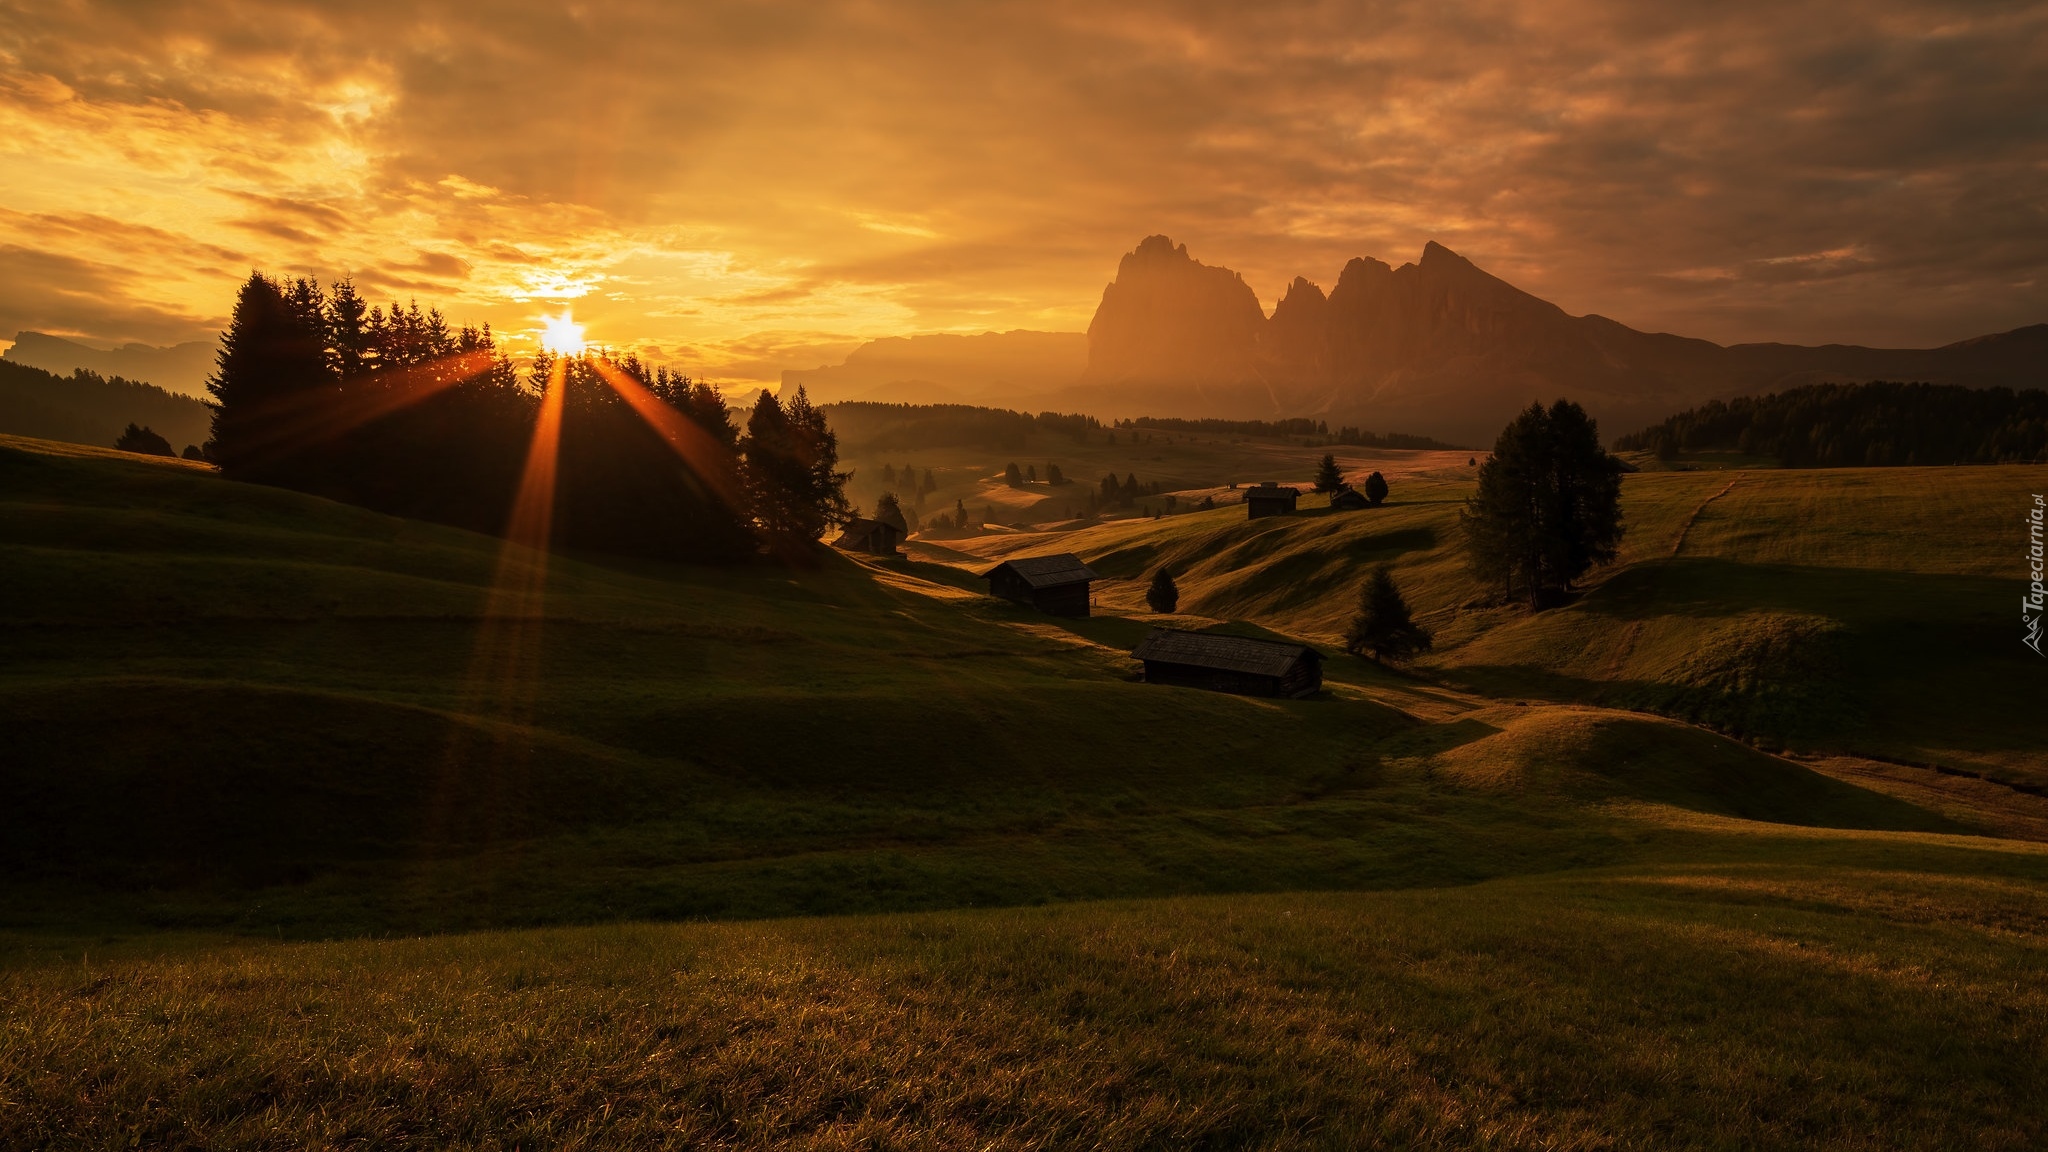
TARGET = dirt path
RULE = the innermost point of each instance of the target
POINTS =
(1694, 518)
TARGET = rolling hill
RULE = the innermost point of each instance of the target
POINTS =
(259, 740)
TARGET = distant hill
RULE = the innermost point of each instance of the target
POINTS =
(1442, 348)
(181, 368)
(1006, 368)
(1850, 425)
(87, 408)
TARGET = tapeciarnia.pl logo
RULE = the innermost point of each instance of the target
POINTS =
(2031, 606)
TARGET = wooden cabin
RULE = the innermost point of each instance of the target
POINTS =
(1270, 499)
(874, 537)
(1237, 664)
(1055, 585)
(1348, 500)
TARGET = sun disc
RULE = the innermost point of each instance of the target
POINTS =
(561, 335)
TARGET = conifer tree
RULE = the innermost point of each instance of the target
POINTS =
(272, 360)
(1382, 625)
(1053, 476)
(1013, 475)
(144, 441)
(1329, 477)
(1375, 488)
(1162, 595)
(1548, 506)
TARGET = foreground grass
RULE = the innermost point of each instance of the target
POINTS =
(1737, 1006)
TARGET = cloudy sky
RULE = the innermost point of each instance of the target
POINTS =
(746, 187)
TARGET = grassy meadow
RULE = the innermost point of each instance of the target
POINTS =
(300, 846)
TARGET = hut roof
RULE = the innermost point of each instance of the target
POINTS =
(1230, 653)
(1271, 489)
(1047, 571)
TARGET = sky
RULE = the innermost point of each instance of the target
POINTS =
(742, 188)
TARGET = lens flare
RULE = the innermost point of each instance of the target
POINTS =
(562, 335)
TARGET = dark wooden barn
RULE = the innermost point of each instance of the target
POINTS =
(1230, 663)
(874, 537)
(1055, 585)
(1269, 499)
(1348, 500)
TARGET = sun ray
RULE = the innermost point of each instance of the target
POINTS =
(711, 461)
(316, 415)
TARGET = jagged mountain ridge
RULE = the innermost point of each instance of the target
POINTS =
(1440, 347)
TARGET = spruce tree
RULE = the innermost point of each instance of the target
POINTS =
(1329, 477)
(268, 374)
(1375, 488)
(1162, 595)
(1013, 475)
(1548, 506)
(144, 441)
(1382, 625)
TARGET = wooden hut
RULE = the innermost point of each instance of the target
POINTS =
(1055, 585)
(874, 537)
(1270, 499)
(1230, 663)
(1348, 500)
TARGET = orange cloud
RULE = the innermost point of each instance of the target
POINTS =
(741, 178)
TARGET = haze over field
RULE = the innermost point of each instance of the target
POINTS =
(744, 189)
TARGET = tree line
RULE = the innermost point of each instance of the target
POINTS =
(878, 426)
(1281, 429)
(399, 411)
(1851, 425)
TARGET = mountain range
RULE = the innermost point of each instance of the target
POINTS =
(1438, 347)
(181, 368)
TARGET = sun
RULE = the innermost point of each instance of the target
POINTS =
(561, 335)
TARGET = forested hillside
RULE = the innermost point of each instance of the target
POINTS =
(1848, 425)
(88, 408)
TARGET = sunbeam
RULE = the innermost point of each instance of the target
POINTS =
(316, 415)
(711, 461)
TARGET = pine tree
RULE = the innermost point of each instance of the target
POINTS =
(1548, 506)
(267, 378)
(825, 486)
(144, 441)
(1013, 475)
(1162, 595)
(350, 352)
(1375, 488)
(1031, 473)
(1329, 477)
(1382, 624)
(1053, 476)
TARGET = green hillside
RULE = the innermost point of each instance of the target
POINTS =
(671, 741)
(1851, 610)
(1475, 909)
